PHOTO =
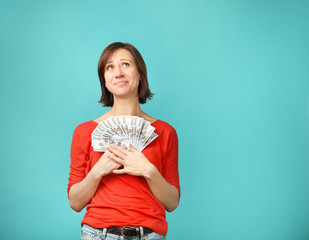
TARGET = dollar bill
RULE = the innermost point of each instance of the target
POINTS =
(123, 131)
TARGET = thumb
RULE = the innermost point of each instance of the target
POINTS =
(119, 171)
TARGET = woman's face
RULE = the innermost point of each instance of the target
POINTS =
(121, 75)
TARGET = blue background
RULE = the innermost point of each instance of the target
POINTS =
(232, 77)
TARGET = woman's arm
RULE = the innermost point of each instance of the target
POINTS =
(135, 163)
(166, 193)
(81, 193)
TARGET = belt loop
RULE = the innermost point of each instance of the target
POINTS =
(141, 230)
(104, 232)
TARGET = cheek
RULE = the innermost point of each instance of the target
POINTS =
(108, 85)
(107, 78)
(136, 77)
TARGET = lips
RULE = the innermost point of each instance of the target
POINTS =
(120, 83)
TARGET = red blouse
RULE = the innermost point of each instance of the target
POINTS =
(122, 200)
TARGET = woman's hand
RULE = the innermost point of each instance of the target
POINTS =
(105, 165)
(81, 193)
(133, 162)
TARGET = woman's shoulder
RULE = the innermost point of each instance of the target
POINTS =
(85, 127)
(163, 126)
(166, 133)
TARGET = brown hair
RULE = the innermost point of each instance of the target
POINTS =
(144, 93)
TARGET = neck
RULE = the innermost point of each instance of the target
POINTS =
(126, 107)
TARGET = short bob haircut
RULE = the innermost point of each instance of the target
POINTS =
(144, 93)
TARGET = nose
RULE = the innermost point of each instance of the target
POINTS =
(118, 72)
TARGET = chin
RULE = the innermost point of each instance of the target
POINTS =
(123, 94)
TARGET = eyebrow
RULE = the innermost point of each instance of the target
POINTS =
(123, 59)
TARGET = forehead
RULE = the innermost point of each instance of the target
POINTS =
(121, 53)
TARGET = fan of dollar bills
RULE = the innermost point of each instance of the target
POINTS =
(123, 131)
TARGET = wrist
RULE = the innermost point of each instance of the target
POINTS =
(150, 171)
(95, 173)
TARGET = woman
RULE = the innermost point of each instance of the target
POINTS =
(126, 191)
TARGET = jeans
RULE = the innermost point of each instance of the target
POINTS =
(90, 233)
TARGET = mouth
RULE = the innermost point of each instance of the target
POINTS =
(120, 83)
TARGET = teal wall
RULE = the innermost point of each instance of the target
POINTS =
(232, 77)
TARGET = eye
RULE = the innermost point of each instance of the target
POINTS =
(109, 67)
(125, 64)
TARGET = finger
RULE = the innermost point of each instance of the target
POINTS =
(122, 148)
(119, 171)
(133, 149)
(115, 158)
(117, 151)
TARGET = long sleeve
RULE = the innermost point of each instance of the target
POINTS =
(170, 160)
(79, 158)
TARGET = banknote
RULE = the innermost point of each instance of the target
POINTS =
(123, 131)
